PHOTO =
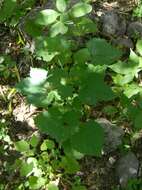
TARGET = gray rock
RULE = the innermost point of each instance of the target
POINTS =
(124, 42)
(113, 135)
(112, 24)
(127, 168)
(134, 29)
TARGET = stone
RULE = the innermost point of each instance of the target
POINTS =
(112, 24)
(134, 29)
(127, 168)
(113, 135)
(124, 42)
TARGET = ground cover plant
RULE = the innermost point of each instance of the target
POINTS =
(73, 75)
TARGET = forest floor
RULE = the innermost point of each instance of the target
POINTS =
(17, 117)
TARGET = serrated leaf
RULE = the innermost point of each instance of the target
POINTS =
(46, 17)
(139, 46)
(94, 89)
(80, 9)
(82, 56)
(22, 146)
(103, 53)
(57, 124)
(61, 5)
(48, 48)
(58, 28)
(89, 139)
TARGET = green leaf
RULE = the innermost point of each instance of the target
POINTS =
(47, 144)
(139, 46)
(36, 182)
(83, 26)
(46, 17)
(48, 48)
(80, 9)
(57, 124)
(7, 9)
(58, 28)
(89, 139)
(82, 56)
(61, 5)
(52, 187)
(121, 80)
(26, 169)
(22, 146)
(70, 165)
(93, 88)
(34, 140)
(102, 52)
(32, 28)
(125, 68)
(138, 121)
(133, 57)
(132, 90)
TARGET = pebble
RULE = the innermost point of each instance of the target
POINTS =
(127, 168)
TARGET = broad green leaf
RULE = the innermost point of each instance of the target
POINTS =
(70, 165)
(57, 124)
(26, 169)
(80, 9)
(132, 90)
(7, 9)
(121, 80)
(102, 52)
(58, 28)
(36, 182)
(34, 140)
(83, 26)
(94, 89)
(46, 17)
(138, 121)
(125, 68)
(61, 5)
(139, 46)
(133, 57)
(89, 139)
(22, 146)
(32, 28)
(48, 48)
(82, 56)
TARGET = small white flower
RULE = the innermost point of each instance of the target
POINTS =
(38, 76)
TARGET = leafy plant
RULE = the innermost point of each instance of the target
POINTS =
(71, 82)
